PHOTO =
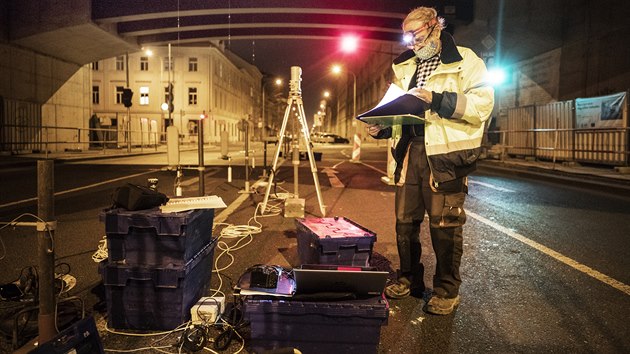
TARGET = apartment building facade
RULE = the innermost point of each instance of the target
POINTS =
(208, 86)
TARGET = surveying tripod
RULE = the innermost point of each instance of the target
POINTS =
(295, 97)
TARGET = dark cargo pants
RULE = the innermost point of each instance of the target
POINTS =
(444, 206)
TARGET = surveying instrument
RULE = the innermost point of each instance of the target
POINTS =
(295, 97)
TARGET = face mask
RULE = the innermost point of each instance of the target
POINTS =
(429, 50)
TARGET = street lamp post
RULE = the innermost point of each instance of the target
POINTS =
(264, 138)
(202, 168)
(278, 83)
(356, 150)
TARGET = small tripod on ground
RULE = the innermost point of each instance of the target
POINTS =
(295, 97)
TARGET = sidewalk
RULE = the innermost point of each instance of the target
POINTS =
(91, 154)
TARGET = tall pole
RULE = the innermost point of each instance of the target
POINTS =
(356, 145)
(354, 98)
(245, 123)
(264, 121)
(45, 250)
(128, 110)
(170, 87)
(264, 131)
(202, 188)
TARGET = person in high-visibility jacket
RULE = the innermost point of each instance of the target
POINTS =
(433, 159)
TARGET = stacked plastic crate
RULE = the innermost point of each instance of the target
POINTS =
(159, 265)
(335, 241)
(326, 324)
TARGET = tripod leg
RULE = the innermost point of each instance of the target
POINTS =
(277, 155)
(311, 158)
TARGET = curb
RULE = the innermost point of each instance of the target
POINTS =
(585, 180)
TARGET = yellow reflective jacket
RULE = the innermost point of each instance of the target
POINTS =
(454, 129)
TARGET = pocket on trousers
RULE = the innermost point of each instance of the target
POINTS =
(452, 214)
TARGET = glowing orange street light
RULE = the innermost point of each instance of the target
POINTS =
(336, 69)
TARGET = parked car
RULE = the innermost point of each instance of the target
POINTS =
(330, 138)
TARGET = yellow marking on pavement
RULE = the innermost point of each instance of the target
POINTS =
(332, 177)
(558, 256)
(77, 189)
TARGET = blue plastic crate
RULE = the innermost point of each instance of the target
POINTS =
(351, 326)
(152, 238)
(148, 298)
(335, 241)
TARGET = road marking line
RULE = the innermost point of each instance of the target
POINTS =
(338, 163)
(558, 256)
(77, 189)
(332, 177)
(238, 201)
(209, 172)
(491, 186)
(374, 168)
(235, 204)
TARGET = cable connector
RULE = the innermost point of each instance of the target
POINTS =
(46, 226)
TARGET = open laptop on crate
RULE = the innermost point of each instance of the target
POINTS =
(332, 281)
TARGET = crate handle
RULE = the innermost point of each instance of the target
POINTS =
(354, 245)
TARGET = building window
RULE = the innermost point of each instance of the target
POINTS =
(144, 63)
(192, 64)
(120, 63)
(96, 96)
(144, 95)
(168, 64)
(119, 94)
(95, 65)
(192, 95)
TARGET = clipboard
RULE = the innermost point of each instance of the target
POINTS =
(386, 121)
(396, 107)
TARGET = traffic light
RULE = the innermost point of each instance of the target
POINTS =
(127, 95)
(170, 98)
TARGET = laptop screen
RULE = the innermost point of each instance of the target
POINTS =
(359, 282)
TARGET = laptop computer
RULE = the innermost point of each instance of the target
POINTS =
(350, 280)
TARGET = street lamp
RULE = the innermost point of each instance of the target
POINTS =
(278, 83)
(336, 69)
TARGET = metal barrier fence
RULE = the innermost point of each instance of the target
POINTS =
(600, 146)
(550, 132)
(50, 138)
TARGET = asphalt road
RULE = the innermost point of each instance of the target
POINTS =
(545, 268)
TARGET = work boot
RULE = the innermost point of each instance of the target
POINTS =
(441, 305)
(399, 289)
